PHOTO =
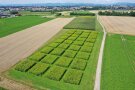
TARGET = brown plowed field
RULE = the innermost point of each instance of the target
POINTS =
(21, 44)
(119, 25)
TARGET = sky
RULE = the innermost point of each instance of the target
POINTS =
(61, 1)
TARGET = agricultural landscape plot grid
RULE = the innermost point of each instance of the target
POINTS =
(65, 59)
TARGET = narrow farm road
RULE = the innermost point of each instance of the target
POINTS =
(22, 44)
(99, 65)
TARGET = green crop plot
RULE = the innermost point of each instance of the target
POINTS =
(65, 62)
(118, 71)
(12, 25)
(83, 22)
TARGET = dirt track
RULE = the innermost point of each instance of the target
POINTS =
(119, 25)
(21, 44)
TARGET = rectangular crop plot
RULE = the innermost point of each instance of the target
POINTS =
(58, 51)
(72, 38)
(24, 65)
(46, 50)
(55, 73)
(88, 44)
(64, 46)
(59, 40)
(49, 59)
(54, 45)
(81, 39)
(83, 55)
(70, 53)
(79, 64)
(86, 49)
(84, 22)
(68, 41)
(37, 56)
(74, 47)
(79, 43)
(39, 68)
(64, 61)
(73, 76)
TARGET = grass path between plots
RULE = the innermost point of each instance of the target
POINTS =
(99, 64)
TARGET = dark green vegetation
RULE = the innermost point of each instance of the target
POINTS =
(118, 71)
(62, 64)
(82, 22)
(82, 13)
(35, 13)
(12, 25)
(1, 88)
(117, 13)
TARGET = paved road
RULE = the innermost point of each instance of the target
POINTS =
(22, 44)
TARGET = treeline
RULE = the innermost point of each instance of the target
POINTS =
(82, 13)
(114, 13)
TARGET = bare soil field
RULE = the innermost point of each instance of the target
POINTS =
(119, 25)
(22, 44)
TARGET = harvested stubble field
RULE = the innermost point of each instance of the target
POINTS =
(82, 22)
(118, 71)
(119, 25)
(67, 63)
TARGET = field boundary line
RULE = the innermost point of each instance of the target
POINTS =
(100, 58)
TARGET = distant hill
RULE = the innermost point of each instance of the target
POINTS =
(71, 4)
(124, 4)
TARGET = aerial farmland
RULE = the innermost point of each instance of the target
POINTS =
(67, 50)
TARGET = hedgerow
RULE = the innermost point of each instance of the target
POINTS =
(49, 59)
(46, 50)
(79, 64)
(86, 49)
(25, 65)
(82, 13)
(39, 68)
(70, 53)
(54, 45)
(57, 51)
(37, 56)
(63, 61)
(74, 47)
(73, 76)
(83, 55)
(55, 73)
